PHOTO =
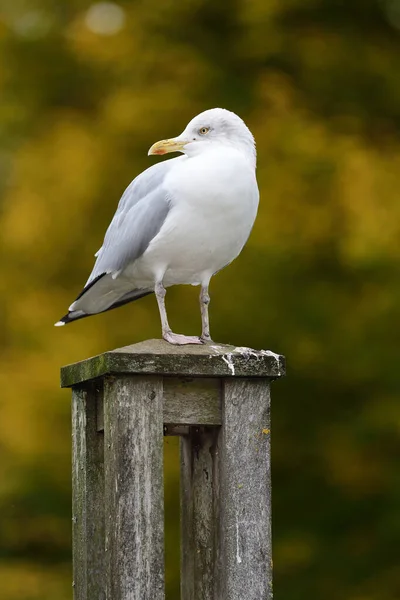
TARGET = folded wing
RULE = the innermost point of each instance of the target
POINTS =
(140, 215)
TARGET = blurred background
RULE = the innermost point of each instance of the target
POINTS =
(85, 89)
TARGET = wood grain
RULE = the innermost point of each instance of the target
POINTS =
(189, 401)
(88, 496)
(134, 508)
(244, 555)
(199, 513)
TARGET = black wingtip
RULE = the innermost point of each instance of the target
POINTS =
(60, 323)
(75, 315)
(64, 321)
(70, 317)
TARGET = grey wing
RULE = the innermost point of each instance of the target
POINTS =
(140, 215)
(130, 234)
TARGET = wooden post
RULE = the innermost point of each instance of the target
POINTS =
(216, 398)
(88, 492)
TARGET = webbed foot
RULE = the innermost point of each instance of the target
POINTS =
(180, 340)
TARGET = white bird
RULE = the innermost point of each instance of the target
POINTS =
(179, 222)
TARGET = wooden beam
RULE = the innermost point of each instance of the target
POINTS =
(199, 513)
(88, 495)
(134, 492)
(244, 447)
(186, 401)
(157, 357)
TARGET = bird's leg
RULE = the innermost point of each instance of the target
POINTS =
(168, 335)
(160, 292)
(205, 324)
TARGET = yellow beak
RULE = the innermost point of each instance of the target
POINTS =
(165, 146)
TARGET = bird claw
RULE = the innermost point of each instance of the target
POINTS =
(181, 340)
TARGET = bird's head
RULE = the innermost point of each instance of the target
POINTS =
(210, 128)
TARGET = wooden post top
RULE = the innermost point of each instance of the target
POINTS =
(157, 357)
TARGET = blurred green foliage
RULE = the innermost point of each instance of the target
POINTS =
(84, 91)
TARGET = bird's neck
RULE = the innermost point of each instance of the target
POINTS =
(244, 146)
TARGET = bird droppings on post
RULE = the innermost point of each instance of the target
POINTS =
(244, 352)
(227, 358)
(238, 557)
(249, 352)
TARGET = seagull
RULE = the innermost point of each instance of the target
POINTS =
(179, 222)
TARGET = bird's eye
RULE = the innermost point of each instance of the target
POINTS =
(204, 130)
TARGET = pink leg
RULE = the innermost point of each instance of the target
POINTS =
(205, 324)
(168, 335)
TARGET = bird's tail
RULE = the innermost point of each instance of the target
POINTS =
(97, 297)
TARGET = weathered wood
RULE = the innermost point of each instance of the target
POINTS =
(176, 430)
(226, 500)
(157, 357)
(100, 410)
(134, 508)
(199, 513)
(192, 402)
(186, 401)
(217, 399)
(88, 495)
(244, 555)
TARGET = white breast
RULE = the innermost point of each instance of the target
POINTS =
(214, 199)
